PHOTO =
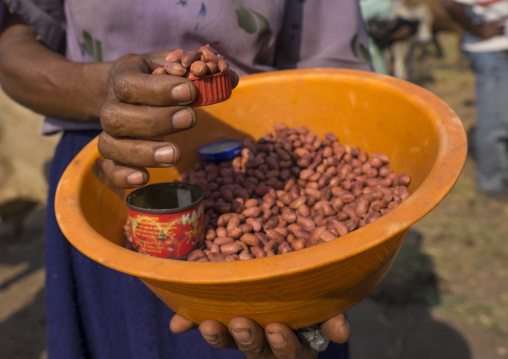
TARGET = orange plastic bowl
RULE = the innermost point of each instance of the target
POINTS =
(419, 132)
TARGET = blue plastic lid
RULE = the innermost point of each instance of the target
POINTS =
(220, 151)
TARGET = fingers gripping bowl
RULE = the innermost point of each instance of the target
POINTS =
(419, 132)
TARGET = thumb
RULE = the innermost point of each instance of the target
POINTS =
(337, 329)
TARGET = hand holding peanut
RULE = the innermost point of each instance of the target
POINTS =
(142, 111)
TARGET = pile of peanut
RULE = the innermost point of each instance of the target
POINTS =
(194, 63)
(289, 191)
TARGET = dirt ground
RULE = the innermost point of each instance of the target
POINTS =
(445, 297)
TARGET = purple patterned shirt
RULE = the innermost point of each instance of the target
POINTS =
(254, 35)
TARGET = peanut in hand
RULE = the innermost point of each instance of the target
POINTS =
(198, 69)
(175, 56)
(174, 68)
(197, 64)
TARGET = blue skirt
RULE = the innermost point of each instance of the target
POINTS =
(95, 312)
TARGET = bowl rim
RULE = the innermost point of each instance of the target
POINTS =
(442, 177)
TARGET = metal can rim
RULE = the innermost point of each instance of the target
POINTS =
(139, 191)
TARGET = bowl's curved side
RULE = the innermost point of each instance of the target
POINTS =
(89, 208)
(298, 299)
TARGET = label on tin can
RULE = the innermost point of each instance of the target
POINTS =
(169, 235)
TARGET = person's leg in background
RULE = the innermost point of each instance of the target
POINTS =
(491, 132)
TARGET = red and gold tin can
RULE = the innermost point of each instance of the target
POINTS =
(167, 219)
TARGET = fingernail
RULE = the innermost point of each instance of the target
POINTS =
(181, 93)
(183, 119)
(135, 178)
(211, 339)
(243, 336)
(165, 154)
(277, 339)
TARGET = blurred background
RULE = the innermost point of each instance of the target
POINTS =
(445, 297)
